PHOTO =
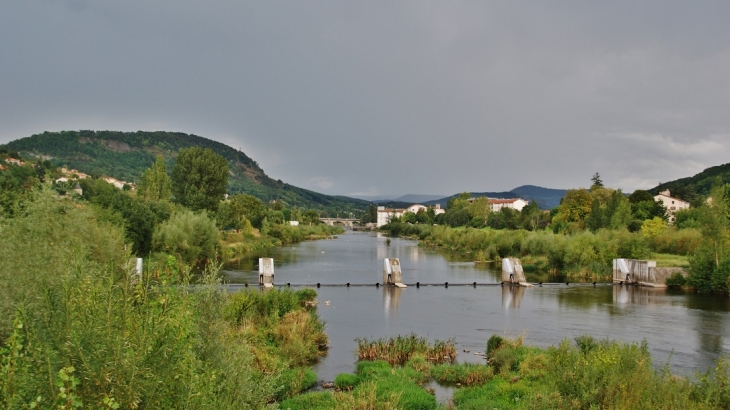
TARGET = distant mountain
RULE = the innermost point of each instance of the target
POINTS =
(546, 198)
(416, 198)
(125, 155)
(690, 188)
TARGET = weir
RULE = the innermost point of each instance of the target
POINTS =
(266, 272)
(512, 272)
(641, 272)
(392, 274)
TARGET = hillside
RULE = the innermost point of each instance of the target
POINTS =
(125, 155)
(690, 188)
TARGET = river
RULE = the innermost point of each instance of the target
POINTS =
(686, 330)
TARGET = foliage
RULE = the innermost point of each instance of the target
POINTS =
(466, 374)
(199, 178)
(399, 349)
(189, 236)
(346, 381)
(653, 227)
(676, 280)
(39, 247)
(575, 206)
(154, 184)
(710, 264)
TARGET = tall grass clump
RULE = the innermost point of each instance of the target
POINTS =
(398, 350)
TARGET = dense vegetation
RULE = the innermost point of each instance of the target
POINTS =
(694, 188)
(589, 229)
(585, 375)
(80, 329)
(125, 155)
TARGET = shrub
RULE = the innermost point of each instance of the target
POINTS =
(293, 381)
(494, 343)
(467, 374)
(191, 237)
(676, 280)
(346, 381)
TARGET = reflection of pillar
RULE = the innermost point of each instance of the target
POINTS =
(391, 299)
(512, 296)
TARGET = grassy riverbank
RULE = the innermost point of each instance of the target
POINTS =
(582, 254)
(79, 330)
(237, 244)
(588, 373)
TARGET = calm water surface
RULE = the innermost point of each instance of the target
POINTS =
(689, 331)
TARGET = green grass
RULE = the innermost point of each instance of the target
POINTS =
(666, 260)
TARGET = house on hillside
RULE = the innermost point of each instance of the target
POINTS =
(672, 204)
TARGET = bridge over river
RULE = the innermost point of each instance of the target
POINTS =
(347, 223)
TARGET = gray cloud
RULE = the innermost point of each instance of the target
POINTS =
(388, 97)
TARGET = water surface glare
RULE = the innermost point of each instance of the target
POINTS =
(688, 330)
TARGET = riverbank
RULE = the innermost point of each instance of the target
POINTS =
(237, 244)
(583, 254)
(586, 373)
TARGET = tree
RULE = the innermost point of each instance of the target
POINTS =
(597, 183)
(653, 227)
(575, 206)
(154, 185)
(710, 265)
(479, 207)
(199, 178)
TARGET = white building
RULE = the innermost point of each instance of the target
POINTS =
(672, 204)
(514, 203)
(385, 214)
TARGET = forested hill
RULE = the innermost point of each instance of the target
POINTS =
(690, 188)
(125, 155)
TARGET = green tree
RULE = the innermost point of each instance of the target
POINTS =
(199, 178)
(710, 265)
(653, 227)
(479, 208)
(597, 183)
(154, 185)
(575, 205)
(311, 217)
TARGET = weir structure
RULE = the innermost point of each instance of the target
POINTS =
(266, 272)
(641, 272)
(391, 273)
(512, 272)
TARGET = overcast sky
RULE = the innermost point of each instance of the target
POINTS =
(388, 97)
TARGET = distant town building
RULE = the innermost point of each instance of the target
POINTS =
(514, 203)
(385, 214)
(672, 204)
(14, 161)
(78, 189)
(294, 223)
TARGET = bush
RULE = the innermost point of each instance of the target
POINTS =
(494, 343)
(346, 381)
(676, 280)
(294, 381)
(191, 237)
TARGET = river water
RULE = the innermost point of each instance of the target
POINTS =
(686, 330)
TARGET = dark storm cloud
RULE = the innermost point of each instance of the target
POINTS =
(388, 97)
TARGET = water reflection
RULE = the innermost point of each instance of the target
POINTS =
(512, 296)
(638, 295)
(391, 299)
